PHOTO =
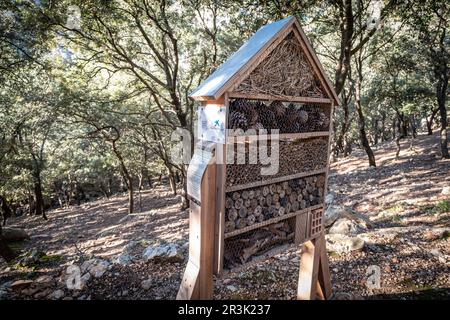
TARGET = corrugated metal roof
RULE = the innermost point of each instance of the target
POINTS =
(219, 78)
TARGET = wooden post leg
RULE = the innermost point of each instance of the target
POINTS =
(309, 267)
(324, 271)
(197, 283)
(314, 275)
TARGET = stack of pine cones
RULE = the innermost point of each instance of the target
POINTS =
(256, 115)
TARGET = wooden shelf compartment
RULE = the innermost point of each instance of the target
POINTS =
(271, 221)
(282, 136)
(307, 100)
(275, 180)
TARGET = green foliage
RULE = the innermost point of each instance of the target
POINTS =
(83, 107)
(441, 207)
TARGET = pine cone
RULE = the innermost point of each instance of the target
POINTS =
(238, 121)
(302, 116)
(279, 108)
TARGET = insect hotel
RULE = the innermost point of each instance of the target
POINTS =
(271, 95)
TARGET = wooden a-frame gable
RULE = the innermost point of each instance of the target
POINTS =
(277, 62)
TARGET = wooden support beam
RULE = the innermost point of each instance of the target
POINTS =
(260, 96)
(197, 283)
(314, 275)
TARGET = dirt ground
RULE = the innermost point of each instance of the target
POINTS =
(403, 198)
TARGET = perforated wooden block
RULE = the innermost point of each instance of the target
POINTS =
(315, 223)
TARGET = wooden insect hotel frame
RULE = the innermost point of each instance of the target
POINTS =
(273, 86)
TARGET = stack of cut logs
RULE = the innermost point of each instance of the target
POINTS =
(294, 156)
(242, 248)
(247, 207)
(293, 118)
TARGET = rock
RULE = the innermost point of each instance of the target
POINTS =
(227, 281)
(4, 289)
(58, 294)
(86, 277)
(341, 243)
(232, 288)
(123, 259)
(96, 267)
(30, 258)
(346, 226)
(3, 294)
(29, 291)
(446, 190)
(342, 296)
(44, 282)
(168, 252)
(19, 285)
(42, 294)
(146, 284)
(332, 214)
(329, 199)
(358, 217)
(98, 270)
(14, 234)
(435, 252)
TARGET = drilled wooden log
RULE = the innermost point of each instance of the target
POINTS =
(244, 194)
(275, 198)
(288, 208)
(239, 203)
(293, 197)
(243, 212)
(230, 226)
(295, 206)
(247, 203)
(229, 203)
(273, 188)
(236, 195)
(251, 219)
(262, 201)
(279, 188)
(232, 214)
(302, 204)
(269, 199)
(257, 211)
(241, 223)
(253, 203)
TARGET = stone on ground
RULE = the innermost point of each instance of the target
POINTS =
(341, 243)
(166, 252)
(347, 227)
(14, 234)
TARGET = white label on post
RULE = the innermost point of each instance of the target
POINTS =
(211, 123)
(196, 170)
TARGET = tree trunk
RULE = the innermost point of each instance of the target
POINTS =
(397, 143)
(5, 251)
(361, 120)
(39, 210)
(172, 182)
(430, 121)
(441, 97)
(130, 197)
(140, 187)
(344, 128)
(127, 175)
(394, 125)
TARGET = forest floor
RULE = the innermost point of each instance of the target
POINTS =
(403, 199)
